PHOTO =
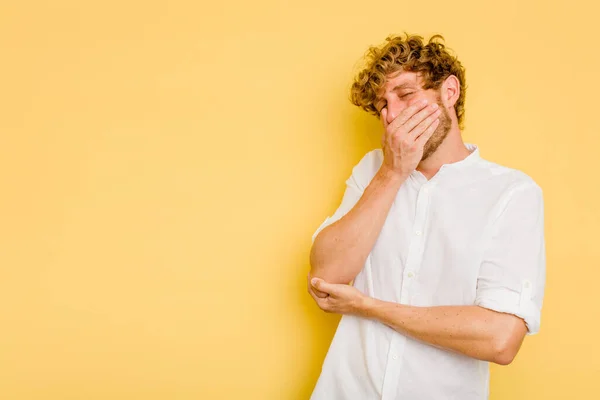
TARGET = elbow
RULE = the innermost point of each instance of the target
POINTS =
(510, 333)
(329, 275)
(329, 271)
(505, 348)
(504, 355)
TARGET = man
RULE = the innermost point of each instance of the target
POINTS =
(445, 250)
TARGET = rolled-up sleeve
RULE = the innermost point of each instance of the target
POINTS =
(513, 270)
(362, 173)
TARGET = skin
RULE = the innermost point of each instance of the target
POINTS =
(419, 137)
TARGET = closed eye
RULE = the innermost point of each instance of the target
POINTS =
(384, 103)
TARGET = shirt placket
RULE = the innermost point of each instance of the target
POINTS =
(413, 262)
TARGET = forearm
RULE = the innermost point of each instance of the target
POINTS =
(341, 249)
(470, 330)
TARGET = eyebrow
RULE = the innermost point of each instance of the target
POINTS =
(402, 86)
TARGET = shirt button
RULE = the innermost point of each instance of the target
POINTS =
(418, 233)
(527, 284)
(395, 357)
(410, 274)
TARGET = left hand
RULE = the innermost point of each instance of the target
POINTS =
(341, 299)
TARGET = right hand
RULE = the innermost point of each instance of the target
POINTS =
(404, 138)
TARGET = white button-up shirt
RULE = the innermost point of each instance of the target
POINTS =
(471, 235)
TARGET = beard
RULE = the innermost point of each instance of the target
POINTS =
(440, 132)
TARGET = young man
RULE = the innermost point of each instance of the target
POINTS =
(445, 250)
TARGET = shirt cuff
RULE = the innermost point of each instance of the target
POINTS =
(505, 300)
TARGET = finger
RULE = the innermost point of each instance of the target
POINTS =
(424, 125)
(431, 112)
(407, 113)
(385, 133)
(312, 290)
(424, 137)
(316, 292)
(384, 117)
(321, 302)
(314, 296)
(321, 285)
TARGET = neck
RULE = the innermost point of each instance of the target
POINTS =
(451, 150)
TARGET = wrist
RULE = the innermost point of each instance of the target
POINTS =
(389, 175)
(366, 306)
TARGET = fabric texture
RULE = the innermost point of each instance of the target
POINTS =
(471, 235)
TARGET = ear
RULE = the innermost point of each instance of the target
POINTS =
(450, 91)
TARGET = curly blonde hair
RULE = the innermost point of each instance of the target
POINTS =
(432, 60)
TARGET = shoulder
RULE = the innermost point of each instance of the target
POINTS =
(509, 187)
(364, 171)
(505, 178)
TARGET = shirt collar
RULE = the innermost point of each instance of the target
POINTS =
(419, 178)
(468, 160)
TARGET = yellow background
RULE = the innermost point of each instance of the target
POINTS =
(164, 164)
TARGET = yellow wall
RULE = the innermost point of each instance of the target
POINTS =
(164, 164)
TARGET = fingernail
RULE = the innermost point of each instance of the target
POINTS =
(424, 101)
(313, 281)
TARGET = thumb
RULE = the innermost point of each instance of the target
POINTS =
(320, 284)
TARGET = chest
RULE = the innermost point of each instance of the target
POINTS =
(430, 246)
